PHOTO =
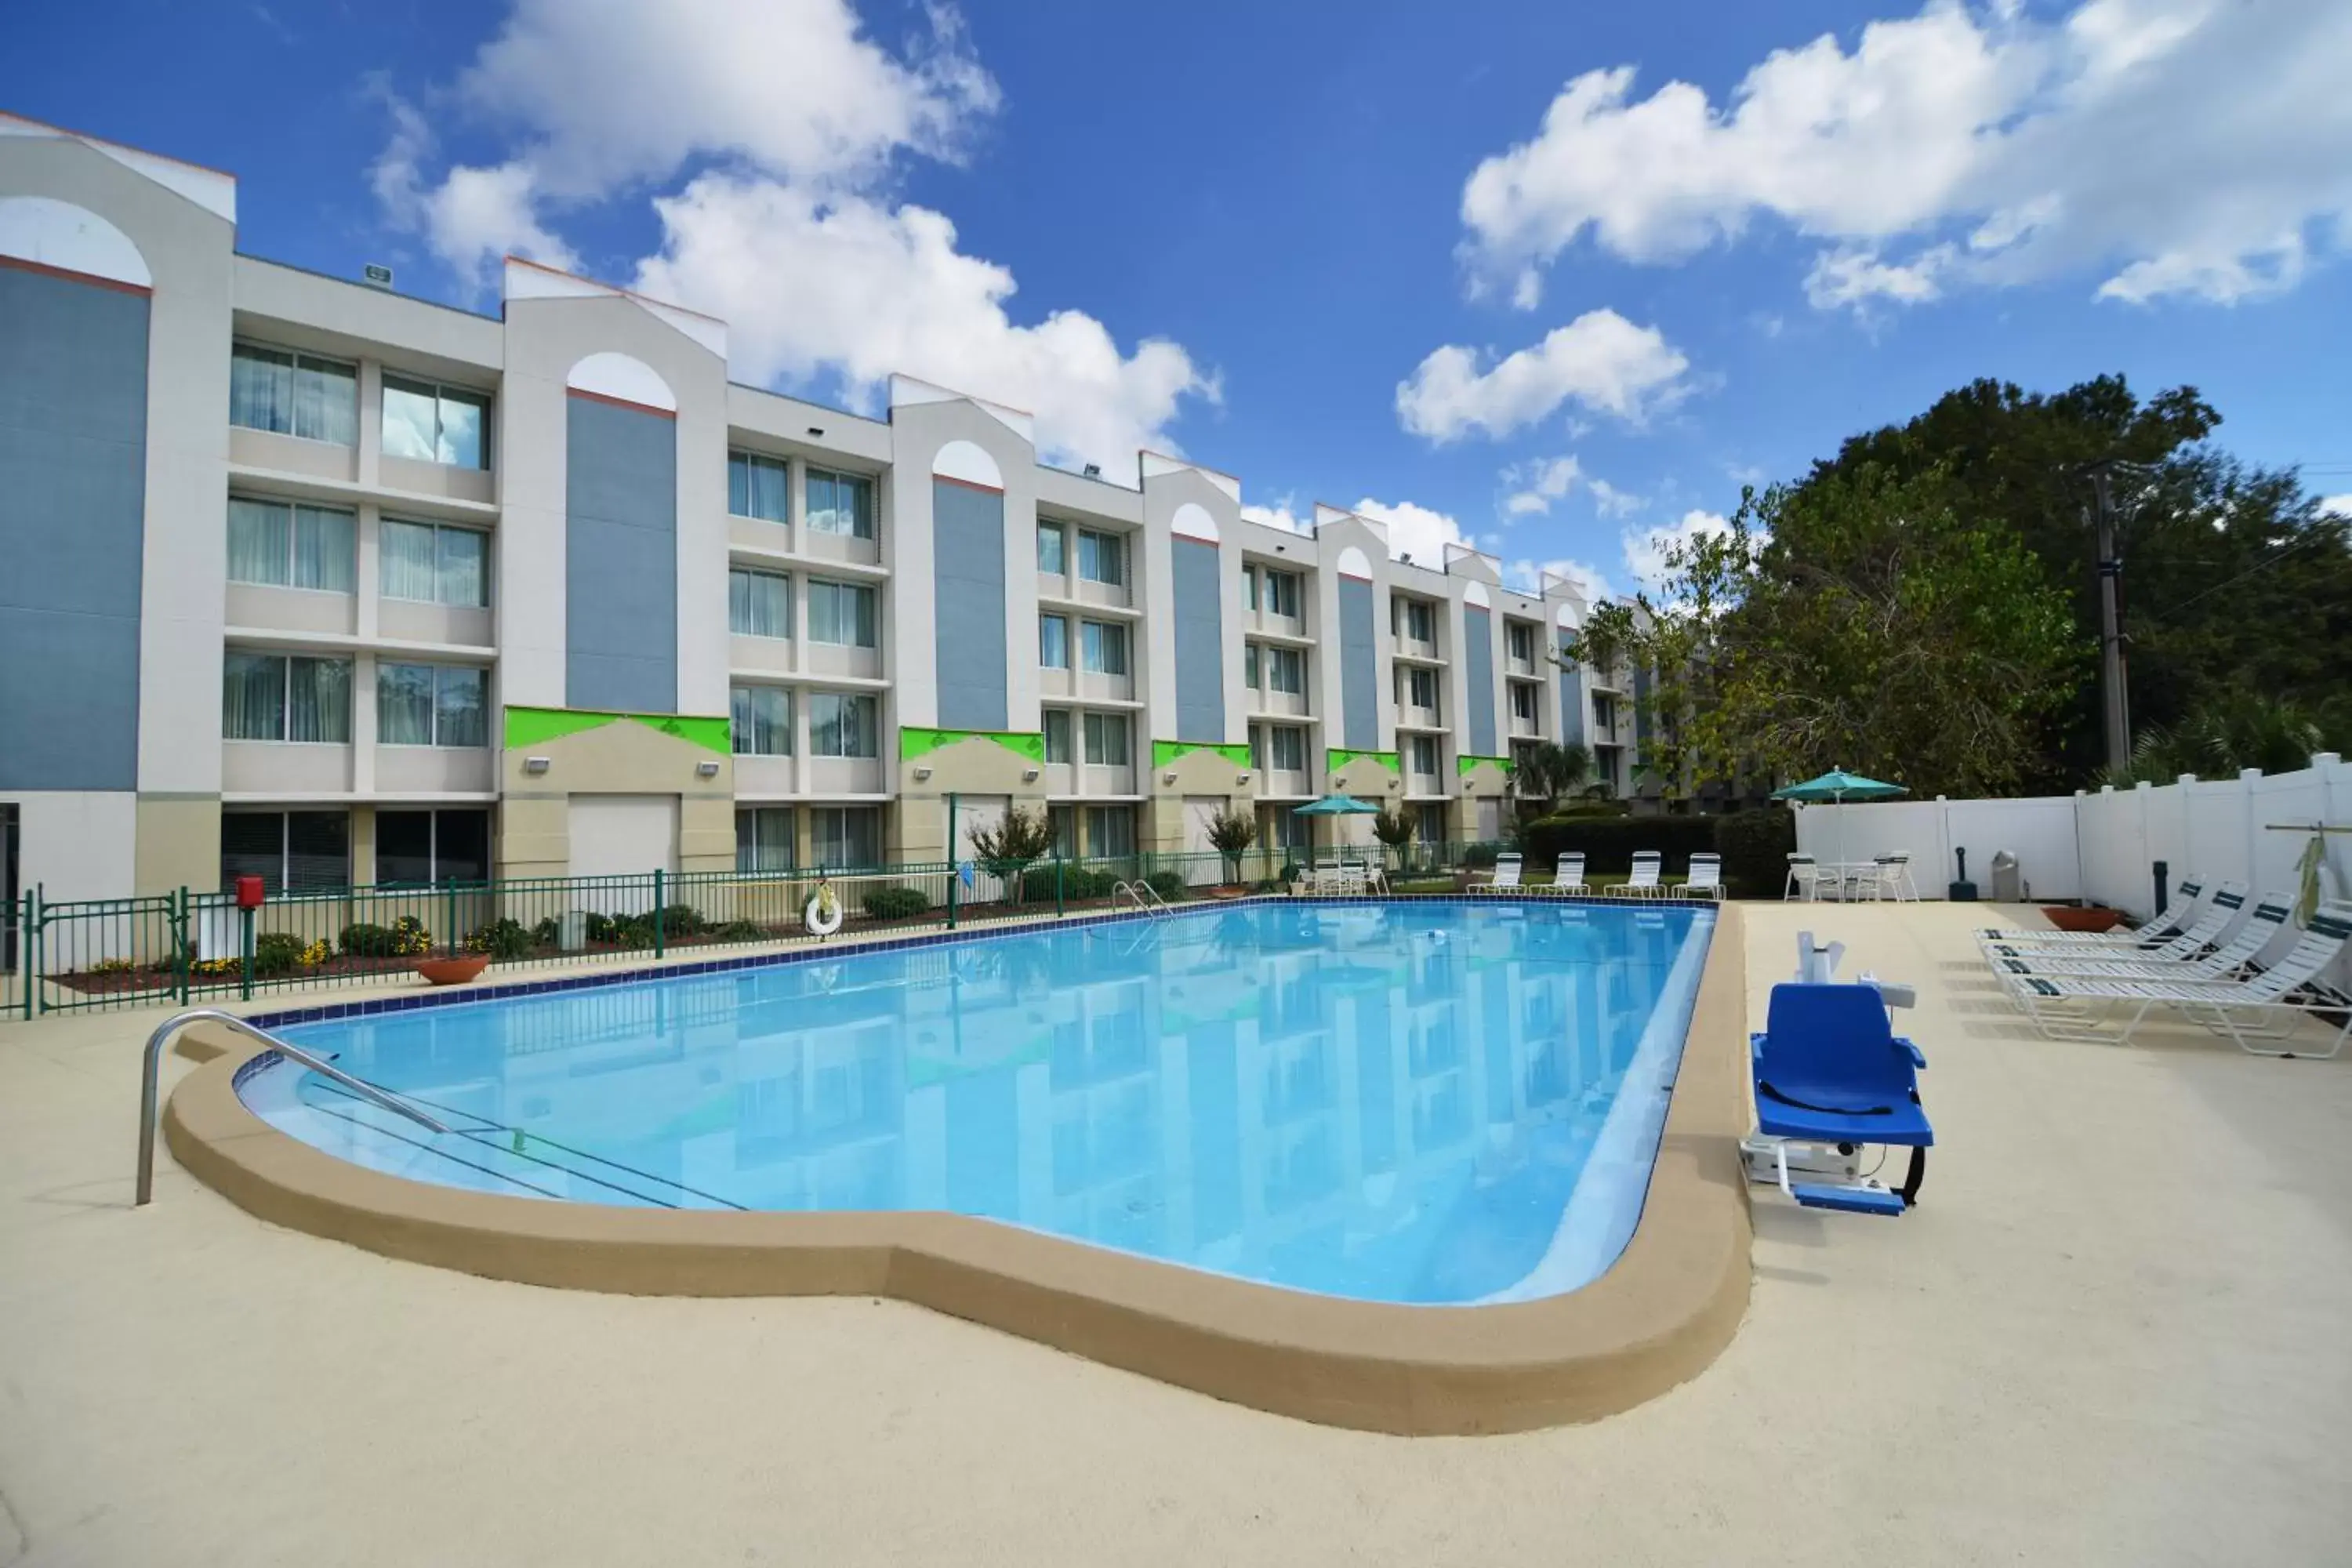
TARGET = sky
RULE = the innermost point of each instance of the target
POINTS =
(1555, 279)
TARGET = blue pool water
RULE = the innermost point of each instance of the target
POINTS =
(1409, 1101)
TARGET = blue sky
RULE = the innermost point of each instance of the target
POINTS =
(1547, 277)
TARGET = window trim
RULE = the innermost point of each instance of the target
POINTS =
(440, 390)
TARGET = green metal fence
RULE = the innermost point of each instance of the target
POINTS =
(186, 946)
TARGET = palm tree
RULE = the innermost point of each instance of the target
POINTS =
(1553, 769)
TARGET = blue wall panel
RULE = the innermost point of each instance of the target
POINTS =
(620, 558)
(1571, 693)
(1360, 700)
(1478, 667)
(1200, 641)
(968, 587)
(73, 493)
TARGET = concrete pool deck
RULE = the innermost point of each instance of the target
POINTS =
(2114, 1332)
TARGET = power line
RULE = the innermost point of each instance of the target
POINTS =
(2273, 559)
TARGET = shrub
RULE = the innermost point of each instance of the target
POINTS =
(277, 953)
(740, 930)
(504, 940)
(896, 903)
(1609, 843)
(1170, 885)
(1479, 856)
(683, 920)
(403, 938)
(1755, 846)
(547, 933)
(1078, 884)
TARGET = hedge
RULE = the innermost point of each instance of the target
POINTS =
(1753, 845)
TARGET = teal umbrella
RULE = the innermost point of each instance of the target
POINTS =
(1336, 806)
(1838, 786)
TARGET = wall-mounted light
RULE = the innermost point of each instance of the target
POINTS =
(921, 772)
(1396, 784)
(707, 768)
(1241, 779)
(816, 430)
(1028, 776)
(1167, 778)
(534, 764)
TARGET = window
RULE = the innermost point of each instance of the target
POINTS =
(432, 705)
(1102, 557)
(1286, 749)
(1104, 646)
(1523, 700)
(420, 847)
(759, 486)
(1249, 587)
(273, 697)
(840, 503)
(1433, 824)
(841, 725)
(763, 839)
(1052, 546)
(1250, 667)
(286, 848)
(1257, 748)
(1282, 594)
(1057, 736)
(841, 613)
(1424, 755)
(1416, 620)
(845, 836)
(284, 545)
(433, 565)
(1064, 822)
(1289, 830)
(1604, 713)
(1421, 687)
(1105, 740)
(760, 719)
(436, 424)
(759, 603)
(1054, 642)
(1519, 639)
(1110, 830)
(294, 394)
(1286, 671)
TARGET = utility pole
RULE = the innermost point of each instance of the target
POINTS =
(2117, 704)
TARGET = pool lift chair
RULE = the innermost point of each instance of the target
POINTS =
(1832, 1079)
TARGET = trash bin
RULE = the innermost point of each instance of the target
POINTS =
(2007, 887)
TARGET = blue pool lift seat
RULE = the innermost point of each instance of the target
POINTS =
(1831, 1075)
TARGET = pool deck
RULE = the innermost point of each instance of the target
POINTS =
(2114, 1332)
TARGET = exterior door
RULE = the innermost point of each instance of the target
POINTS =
(623, 839)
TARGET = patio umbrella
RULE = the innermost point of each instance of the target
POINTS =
(1837, 786)
(1335, 806)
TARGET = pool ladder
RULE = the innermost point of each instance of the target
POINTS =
(1147, 898)
(296, 1054)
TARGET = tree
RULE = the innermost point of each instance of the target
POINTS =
(1231, 832)
(2277, 735)
(1394, 827)
(1553, 769)
(1021, 838)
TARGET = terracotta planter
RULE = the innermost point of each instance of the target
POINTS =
(1233, 891)
(453, 971)
(2065, 917)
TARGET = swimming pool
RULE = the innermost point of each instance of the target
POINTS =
(1435, 1103)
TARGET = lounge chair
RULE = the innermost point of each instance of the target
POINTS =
(2267, 1008)
(1706, 878)
(2202, 933)
(1804, 882)
(1643, 883)
(2254, 935)
(1569, 876)
(1831, 1077)
(1894, 877)
(2169, 924)
(1505, 877)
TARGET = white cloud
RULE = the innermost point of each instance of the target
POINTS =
(789, 121)
(1595, 583)
(2176, 147)
(1535, 486)
(1279, 515)
(1611, 501)
(1599, 360)
(1645, 548)
(2340, 505)
(1414, 530)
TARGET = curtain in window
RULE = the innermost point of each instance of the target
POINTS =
(325, 550)
(253, 697)
(260, 538)
(758, 605)
(763, 720)
(763, 839)
(407, 549)
(1099, 557)
(253, 844)
(1104, 647)
(1286, 671)
(1057, 736)
(261, 390)
(846, 837)
(1110, 830)
(759, 486)
(840, 503)
(318, 850)
(404, 704)
(1054, 642)
(326, 402)
(319, 700)
(461, 707)
(1249, 665)
(841, 613)
(459, 560)
(1106, 741)
(1049, 550)
(841, 725)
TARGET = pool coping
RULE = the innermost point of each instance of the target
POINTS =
(1659, 1315)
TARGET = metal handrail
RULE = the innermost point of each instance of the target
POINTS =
(178, 1021)
(1141, 890)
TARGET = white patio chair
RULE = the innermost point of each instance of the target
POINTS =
(1894, 877)
(1863, 882)
(1706, 878)
(1506, 874)
(1643, 883)
(1804, 883)
(1570, 876)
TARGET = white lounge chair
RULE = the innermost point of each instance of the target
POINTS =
(1570, 876)
(1706, 879)
(2162, 929)
(2267, 1008)
(1894, 877)
(1804, 882)
(2201, 933)
(1505, 877)
(1643, 883)
(2255, 933)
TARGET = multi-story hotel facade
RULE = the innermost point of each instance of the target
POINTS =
(305, 578)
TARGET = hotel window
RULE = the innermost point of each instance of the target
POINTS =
(840, 503)
(841, 724)
(760, 719)
(1523, 701)
(275, 696)
(1433, 824)
(1257, 747)
(1424, 748)
(841, 613)
(1054, 642)
(1057, 735)
(759, 486)
(1604, 713)
(1051, 548)
(1286, 671)
(1520, 640)
(1250, 666)
(1106, 740)
(1286, 749)
(417, 848)
(432, 705)
(1102, 557)
(1282, 594)
(280, 544)
(1064, 822)
(759, 603)
(763, 839)
(1110, 830)
(432, 565)
(294, 394)
(1103, 647)
(1421, 687)
(436, 424)
(1249, 587)
(1419, 620)
(294, 849)
(843, 837)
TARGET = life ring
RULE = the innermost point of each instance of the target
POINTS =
(823, 913)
